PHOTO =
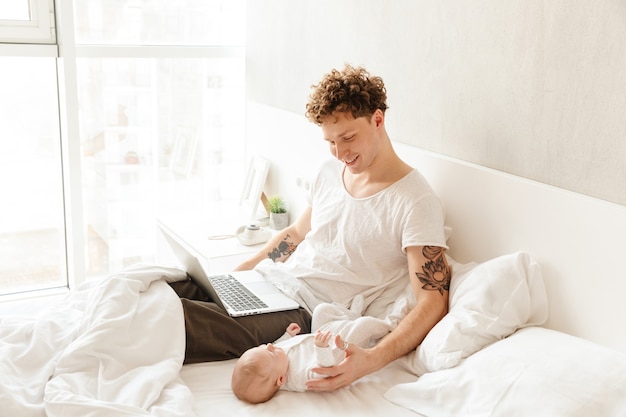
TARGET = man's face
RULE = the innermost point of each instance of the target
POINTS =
(353, 141)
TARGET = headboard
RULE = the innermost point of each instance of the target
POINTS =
(578, 240)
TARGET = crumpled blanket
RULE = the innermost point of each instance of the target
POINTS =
(112, 347)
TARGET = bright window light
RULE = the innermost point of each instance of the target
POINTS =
(15, 10)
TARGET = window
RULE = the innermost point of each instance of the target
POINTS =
(32, 235)
(27, 21)
(158, 135)
(160, 22)
(15, 10)
(152, 112)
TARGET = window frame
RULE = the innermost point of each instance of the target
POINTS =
(54, 36)
(40, 29)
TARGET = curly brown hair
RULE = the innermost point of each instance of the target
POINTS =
(352, 90)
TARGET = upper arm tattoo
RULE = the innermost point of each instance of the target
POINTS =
(436, 272)
(284, 248)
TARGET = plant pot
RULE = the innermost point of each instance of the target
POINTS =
(279, 221)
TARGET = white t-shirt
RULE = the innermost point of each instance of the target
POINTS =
(357, 245)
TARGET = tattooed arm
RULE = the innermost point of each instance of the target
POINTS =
(430, 280)
(282, 245)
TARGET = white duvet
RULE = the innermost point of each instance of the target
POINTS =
(111, 347)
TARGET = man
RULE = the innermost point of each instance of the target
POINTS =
(373, 227)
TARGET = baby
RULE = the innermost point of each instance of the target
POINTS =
(287, 363)
(263, 370)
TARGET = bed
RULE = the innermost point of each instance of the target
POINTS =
(534, 328)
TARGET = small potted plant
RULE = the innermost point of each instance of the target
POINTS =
(279, 217)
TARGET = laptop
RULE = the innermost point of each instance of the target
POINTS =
(240, 293)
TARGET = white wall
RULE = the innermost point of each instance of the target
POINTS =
(531, 87)
(292, 144)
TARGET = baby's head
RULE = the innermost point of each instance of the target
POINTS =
(259, 373)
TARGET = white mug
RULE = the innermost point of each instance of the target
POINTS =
(252, 234)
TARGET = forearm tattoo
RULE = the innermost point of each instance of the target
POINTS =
(284, 248)
(436, 272)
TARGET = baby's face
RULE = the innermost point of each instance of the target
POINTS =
(271, 357)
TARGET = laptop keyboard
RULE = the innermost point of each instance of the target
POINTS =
(235, 294)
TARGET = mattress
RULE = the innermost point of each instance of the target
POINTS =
(210, 386)
(535, 372)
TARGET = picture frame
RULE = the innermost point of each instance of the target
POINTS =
(256, 175)
(184, 151)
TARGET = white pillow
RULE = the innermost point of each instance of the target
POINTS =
(535, 372)
(488, 302)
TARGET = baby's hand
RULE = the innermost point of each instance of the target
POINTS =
(293, 329)
(322, 339)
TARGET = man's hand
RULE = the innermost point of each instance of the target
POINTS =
(356, 364)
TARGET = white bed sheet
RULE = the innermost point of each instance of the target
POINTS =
(536, 371)
(210, 386)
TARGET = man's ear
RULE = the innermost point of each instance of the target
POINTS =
(379, 118)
